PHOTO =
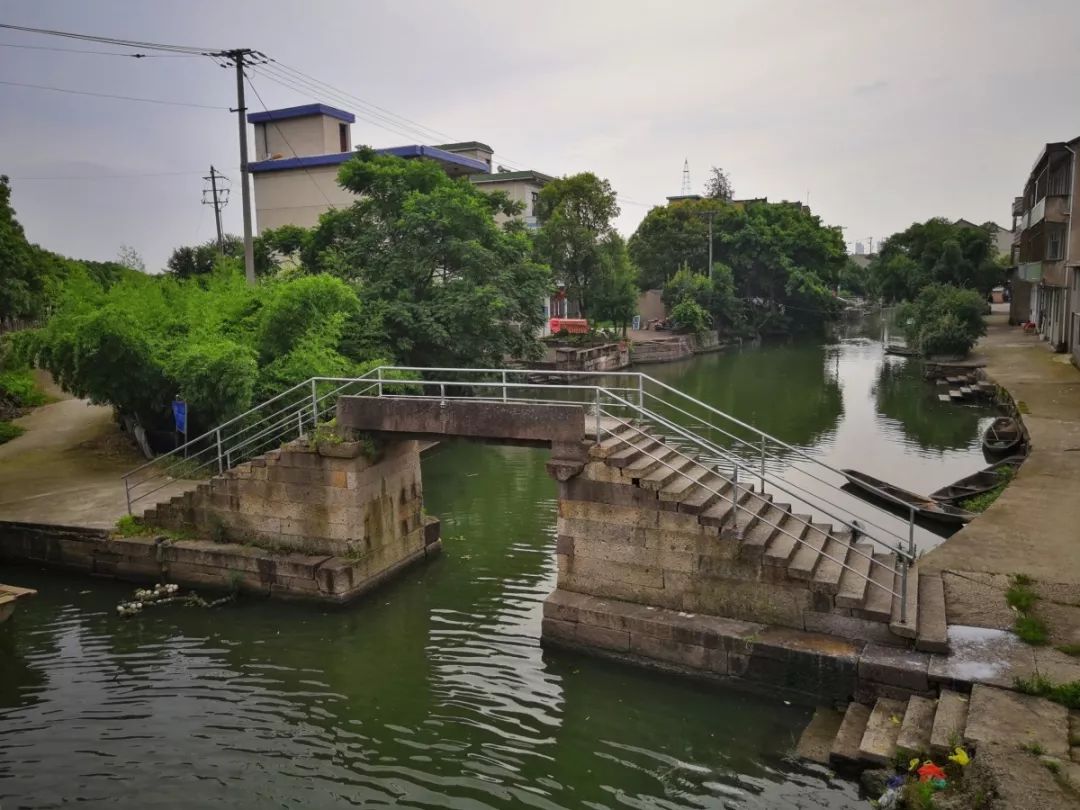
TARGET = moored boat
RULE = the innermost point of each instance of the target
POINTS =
(9, 596)
(900, 350)
(977, 483)
(1003, 435)
(923, 506)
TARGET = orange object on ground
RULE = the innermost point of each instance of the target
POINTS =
(575, 326)
(930, 771)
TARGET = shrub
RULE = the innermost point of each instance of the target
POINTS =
(9, 431)
(690, 316)
(944, 319)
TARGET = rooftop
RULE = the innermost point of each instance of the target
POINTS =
(410, 151)
(463, 145)
(302, 111)
(505, 177)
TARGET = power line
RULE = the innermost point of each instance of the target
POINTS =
(125, 43)
(102, 53)
(113, 96)
(111, 176)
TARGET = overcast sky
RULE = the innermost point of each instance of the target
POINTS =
(884, 113)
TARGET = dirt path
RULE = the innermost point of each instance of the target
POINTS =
(66, 467)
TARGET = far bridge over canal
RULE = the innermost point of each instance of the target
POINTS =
(681, 530)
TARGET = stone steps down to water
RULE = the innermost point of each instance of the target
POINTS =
(852, 583)
(892, 731)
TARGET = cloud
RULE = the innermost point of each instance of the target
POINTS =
(870, 88)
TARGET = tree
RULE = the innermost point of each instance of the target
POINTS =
(22, 280)
(199, 260)
(440, 281)
(944, 319)
(615, 294)
(130, 258)
(575, 215)
(718, 186)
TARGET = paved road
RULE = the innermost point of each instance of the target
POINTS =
(66, 467)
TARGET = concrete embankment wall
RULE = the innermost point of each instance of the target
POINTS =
(675, 347)
(607, 357)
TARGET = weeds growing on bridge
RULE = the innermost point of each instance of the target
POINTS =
(1021, 597)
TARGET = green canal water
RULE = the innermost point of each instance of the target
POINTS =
(434, 692)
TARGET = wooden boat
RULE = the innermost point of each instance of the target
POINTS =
(9, 595)
(904, 501)
(1003, 435)
(901, 351)
(977, 483)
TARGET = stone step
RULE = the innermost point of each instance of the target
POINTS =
(720, 514)
(878, 744)
(632, 452)
(756, 538)
(677, 468)
(806, 556)
(756, 507)
(817, 738)
(684, 485)
(853, 584)
(705, 494)
(650, 462)
(909, 628)
(607, 425)
(933, 630)
(914, 739)
(830, 567)
(845, 747)
(878, 604)
(783, 543)
(1025, 721)
(614, 440)
(950, 720)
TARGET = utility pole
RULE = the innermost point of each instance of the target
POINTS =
(236, 56)
(219, 198)
(712, 215)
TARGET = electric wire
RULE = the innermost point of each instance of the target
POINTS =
(113, 96)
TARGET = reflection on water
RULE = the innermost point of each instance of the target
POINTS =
(434, 691)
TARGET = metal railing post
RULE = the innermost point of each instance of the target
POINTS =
(911, 534)
(598, 415)
(300, 423)
(735, 496)
(763, 464)
(378, 376)
(641, 391)
(314, 405)
(127, 494)
(504, 386)
(442, 391)
(903, 590)
(217, 435)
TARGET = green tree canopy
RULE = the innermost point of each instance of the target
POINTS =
(615, 291)
(575, 216)
(718, 186)
(440, 282)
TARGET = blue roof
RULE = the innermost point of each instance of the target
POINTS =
(411, 151)
(301, 112)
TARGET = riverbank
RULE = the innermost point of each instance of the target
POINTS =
(1031, 528)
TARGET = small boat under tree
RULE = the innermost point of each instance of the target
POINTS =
(904, 500)
(9, 596)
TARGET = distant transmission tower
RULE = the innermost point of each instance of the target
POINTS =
(686, 177)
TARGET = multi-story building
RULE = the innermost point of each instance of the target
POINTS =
(1046, 249)
(298, 151)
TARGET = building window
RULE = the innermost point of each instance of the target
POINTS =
(1055, 239)
(535, 200)
(343, 136)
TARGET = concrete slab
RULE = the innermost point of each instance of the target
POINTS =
(982, 655)
(845, 748)
(817, 738)
(933, 631)
(914, 737)
(1001, 716)
(878, 744)
(895, 666)
(950, 720)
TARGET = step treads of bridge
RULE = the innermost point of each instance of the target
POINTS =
(638, 449)
(808, 554)
(711, 489)
(675, 469)
(719, 514)
(651, 460)
(878, 604)
(684, 485)
(757, 537)
(830, 567)
(784, 543)
(607, 425)
(756, 507)
(853, 583)
(616, 439)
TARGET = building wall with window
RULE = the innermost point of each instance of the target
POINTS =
(521, 187)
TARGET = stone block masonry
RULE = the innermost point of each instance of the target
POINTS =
(298, 499)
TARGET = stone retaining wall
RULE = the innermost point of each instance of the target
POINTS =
(607, 357)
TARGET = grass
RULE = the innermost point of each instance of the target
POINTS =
(1033, 748)
(1020, 595)
(130, 526)
(1069, 649)
(981, 502)
(9, 431)
(1032, 630)
(1067, 694)
(919, 796)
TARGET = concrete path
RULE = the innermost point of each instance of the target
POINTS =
(1034, 527)
(66, 468)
